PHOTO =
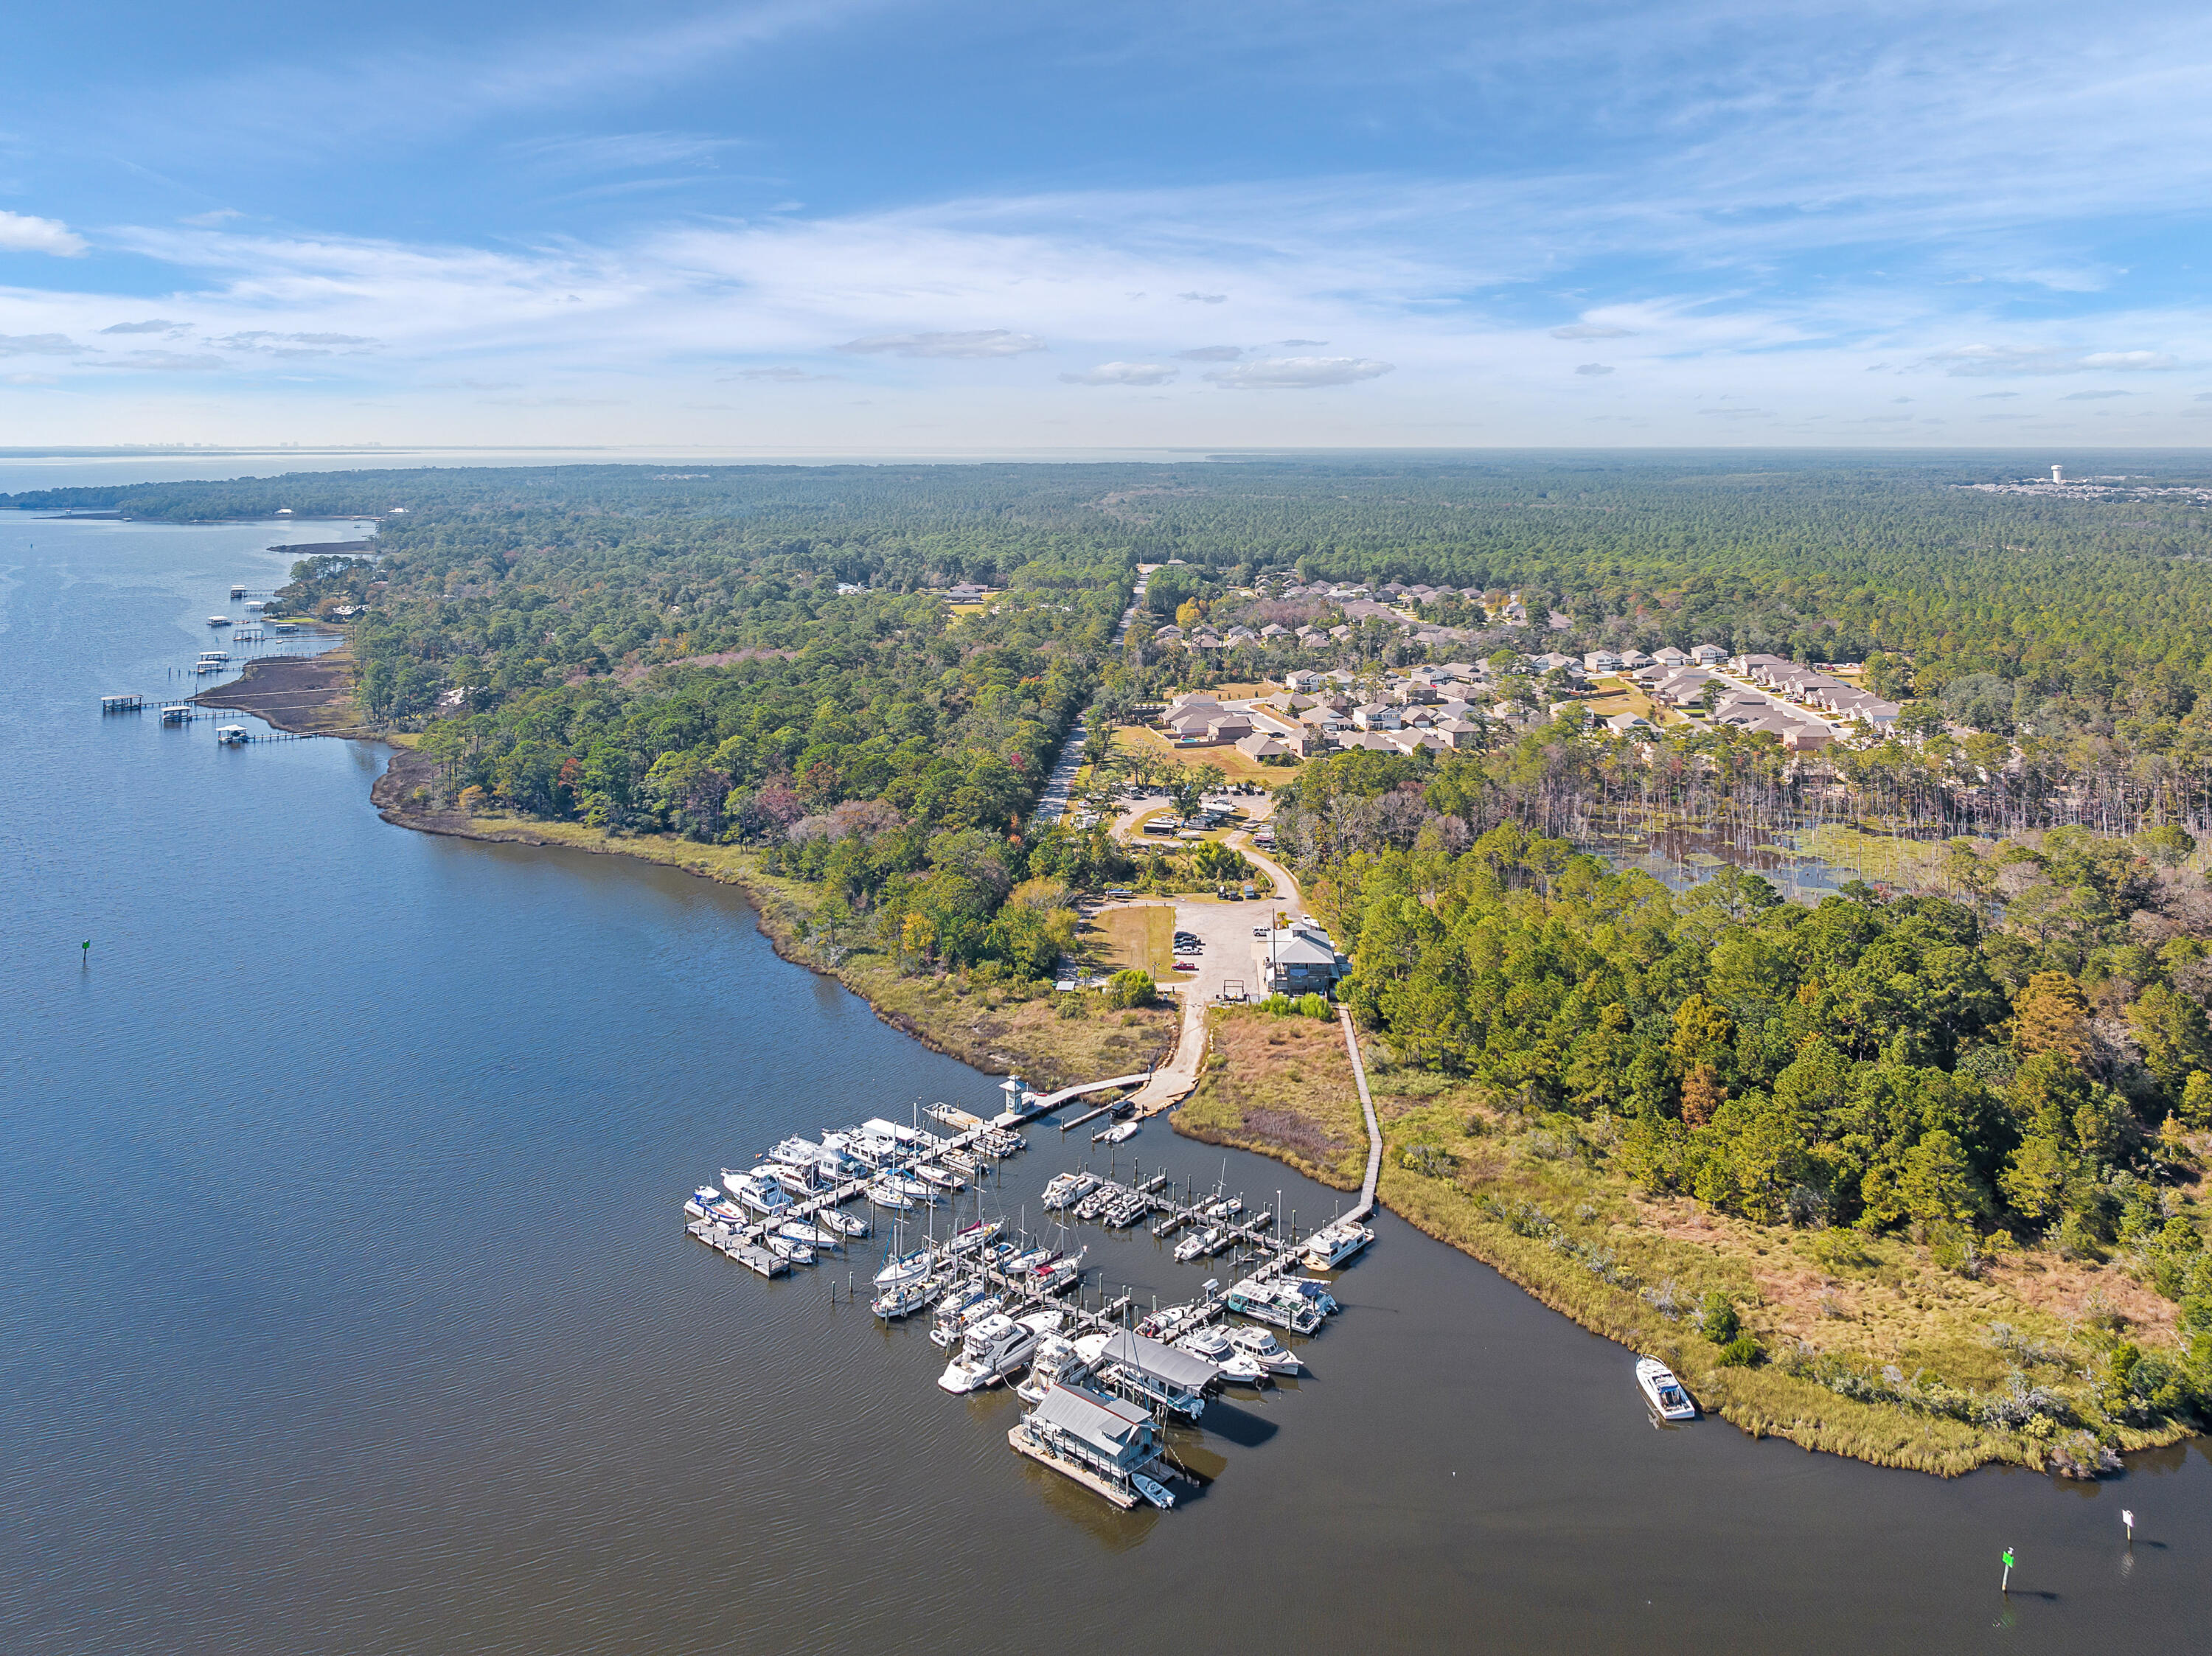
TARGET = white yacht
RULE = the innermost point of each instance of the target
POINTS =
(968, 1238)
(1663, 1392)
(943, 1178)
(1191, 1246)
(1067, 1189)
(907, 1268)
(1331, 1245)
(1215, 1346)
(845, 1224)
(961, 1309)
(804, 1231)
(765, 1197)
(1265, 1349)
(1054, 1360)
(906, 1186)
(884, 1196)
(800, 1253)
(708, 1203)
(1274, 1302)
(993, 1349)
(904, 1299)
(1119, 1133)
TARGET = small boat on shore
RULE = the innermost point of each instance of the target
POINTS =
(1663, 1392)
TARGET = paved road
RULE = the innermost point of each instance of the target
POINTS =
(1052, 803)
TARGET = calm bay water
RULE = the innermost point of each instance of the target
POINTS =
(346, 1307)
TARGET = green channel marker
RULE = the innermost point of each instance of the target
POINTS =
(2006, 1584)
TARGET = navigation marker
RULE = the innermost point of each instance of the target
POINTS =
(2129, 1519)
(2006, 1584)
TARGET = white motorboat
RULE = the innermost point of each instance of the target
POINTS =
(1331, 1244)
(1036, 1259)
(959, 1161)
(943, 1178)
(1119, 1133)
(799, 1182)
(1152, 1489)
(1213, 1344)
(906, 1186)
(1264, 1349)
(1663, 1392)
(845, 1224)
(1068, 1188)
(884, 1196)
(1093, 1204)
(907, 1268)
(1191, 1246)
(759, 1194)
(708, 1203)
(800, 1253)
(1054, 1362)
(993, 1349)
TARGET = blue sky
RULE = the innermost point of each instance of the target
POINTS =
(870, 225)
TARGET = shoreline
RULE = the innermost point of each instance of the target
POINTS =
(1763, 1402)
(1282, 1101)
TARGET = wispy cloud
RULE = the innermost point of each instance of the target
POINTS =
(1990, 360)
(1122, 373)
(1593, 368)
(1298, 372)
(36, 344)
(1211, 354)
(978, 342)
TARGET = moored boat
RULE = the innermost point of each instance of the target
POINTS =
(1666, 1395)
(991, 1350)
(1331, 1244)
(1264, 1349)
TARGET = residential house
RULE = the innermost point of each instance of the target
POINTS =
(1302, 682)
(1708, 655)
(1668, 656)
(1601, 661)
(1262, 747)
(1376, 716)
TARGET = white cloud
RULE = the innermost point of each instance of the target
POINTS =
(977, 342)
(29, 379)
(1205, 299)
(36, 344)
(1212, 353)
(21, 233)
(165, 362)
(783, 374)
(1592, 331)
(156, 324)
(212, 218)
(1593, 368)
(1122, 373)
(1298, 372)
(2092, 395)
(1992, 360)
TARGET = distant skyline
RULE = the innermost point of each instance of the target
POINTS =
(860, 226)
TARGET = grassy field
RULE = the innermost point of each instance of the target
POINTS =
(1141, 938)
(991, 1028)
(1539, 1200)
(1283, 1085)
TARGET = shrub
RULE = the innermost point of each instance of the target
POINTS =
(1130, 988)
(1718, 1317)
(1742, 1352)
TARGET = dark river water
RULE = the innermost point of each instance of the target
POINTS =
(346, 1305)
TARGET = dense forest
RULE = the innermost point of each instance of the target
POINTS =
(769, 657)
(2022, 1069)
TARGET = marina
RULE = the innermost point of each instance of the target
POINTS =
(1104, 1386)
